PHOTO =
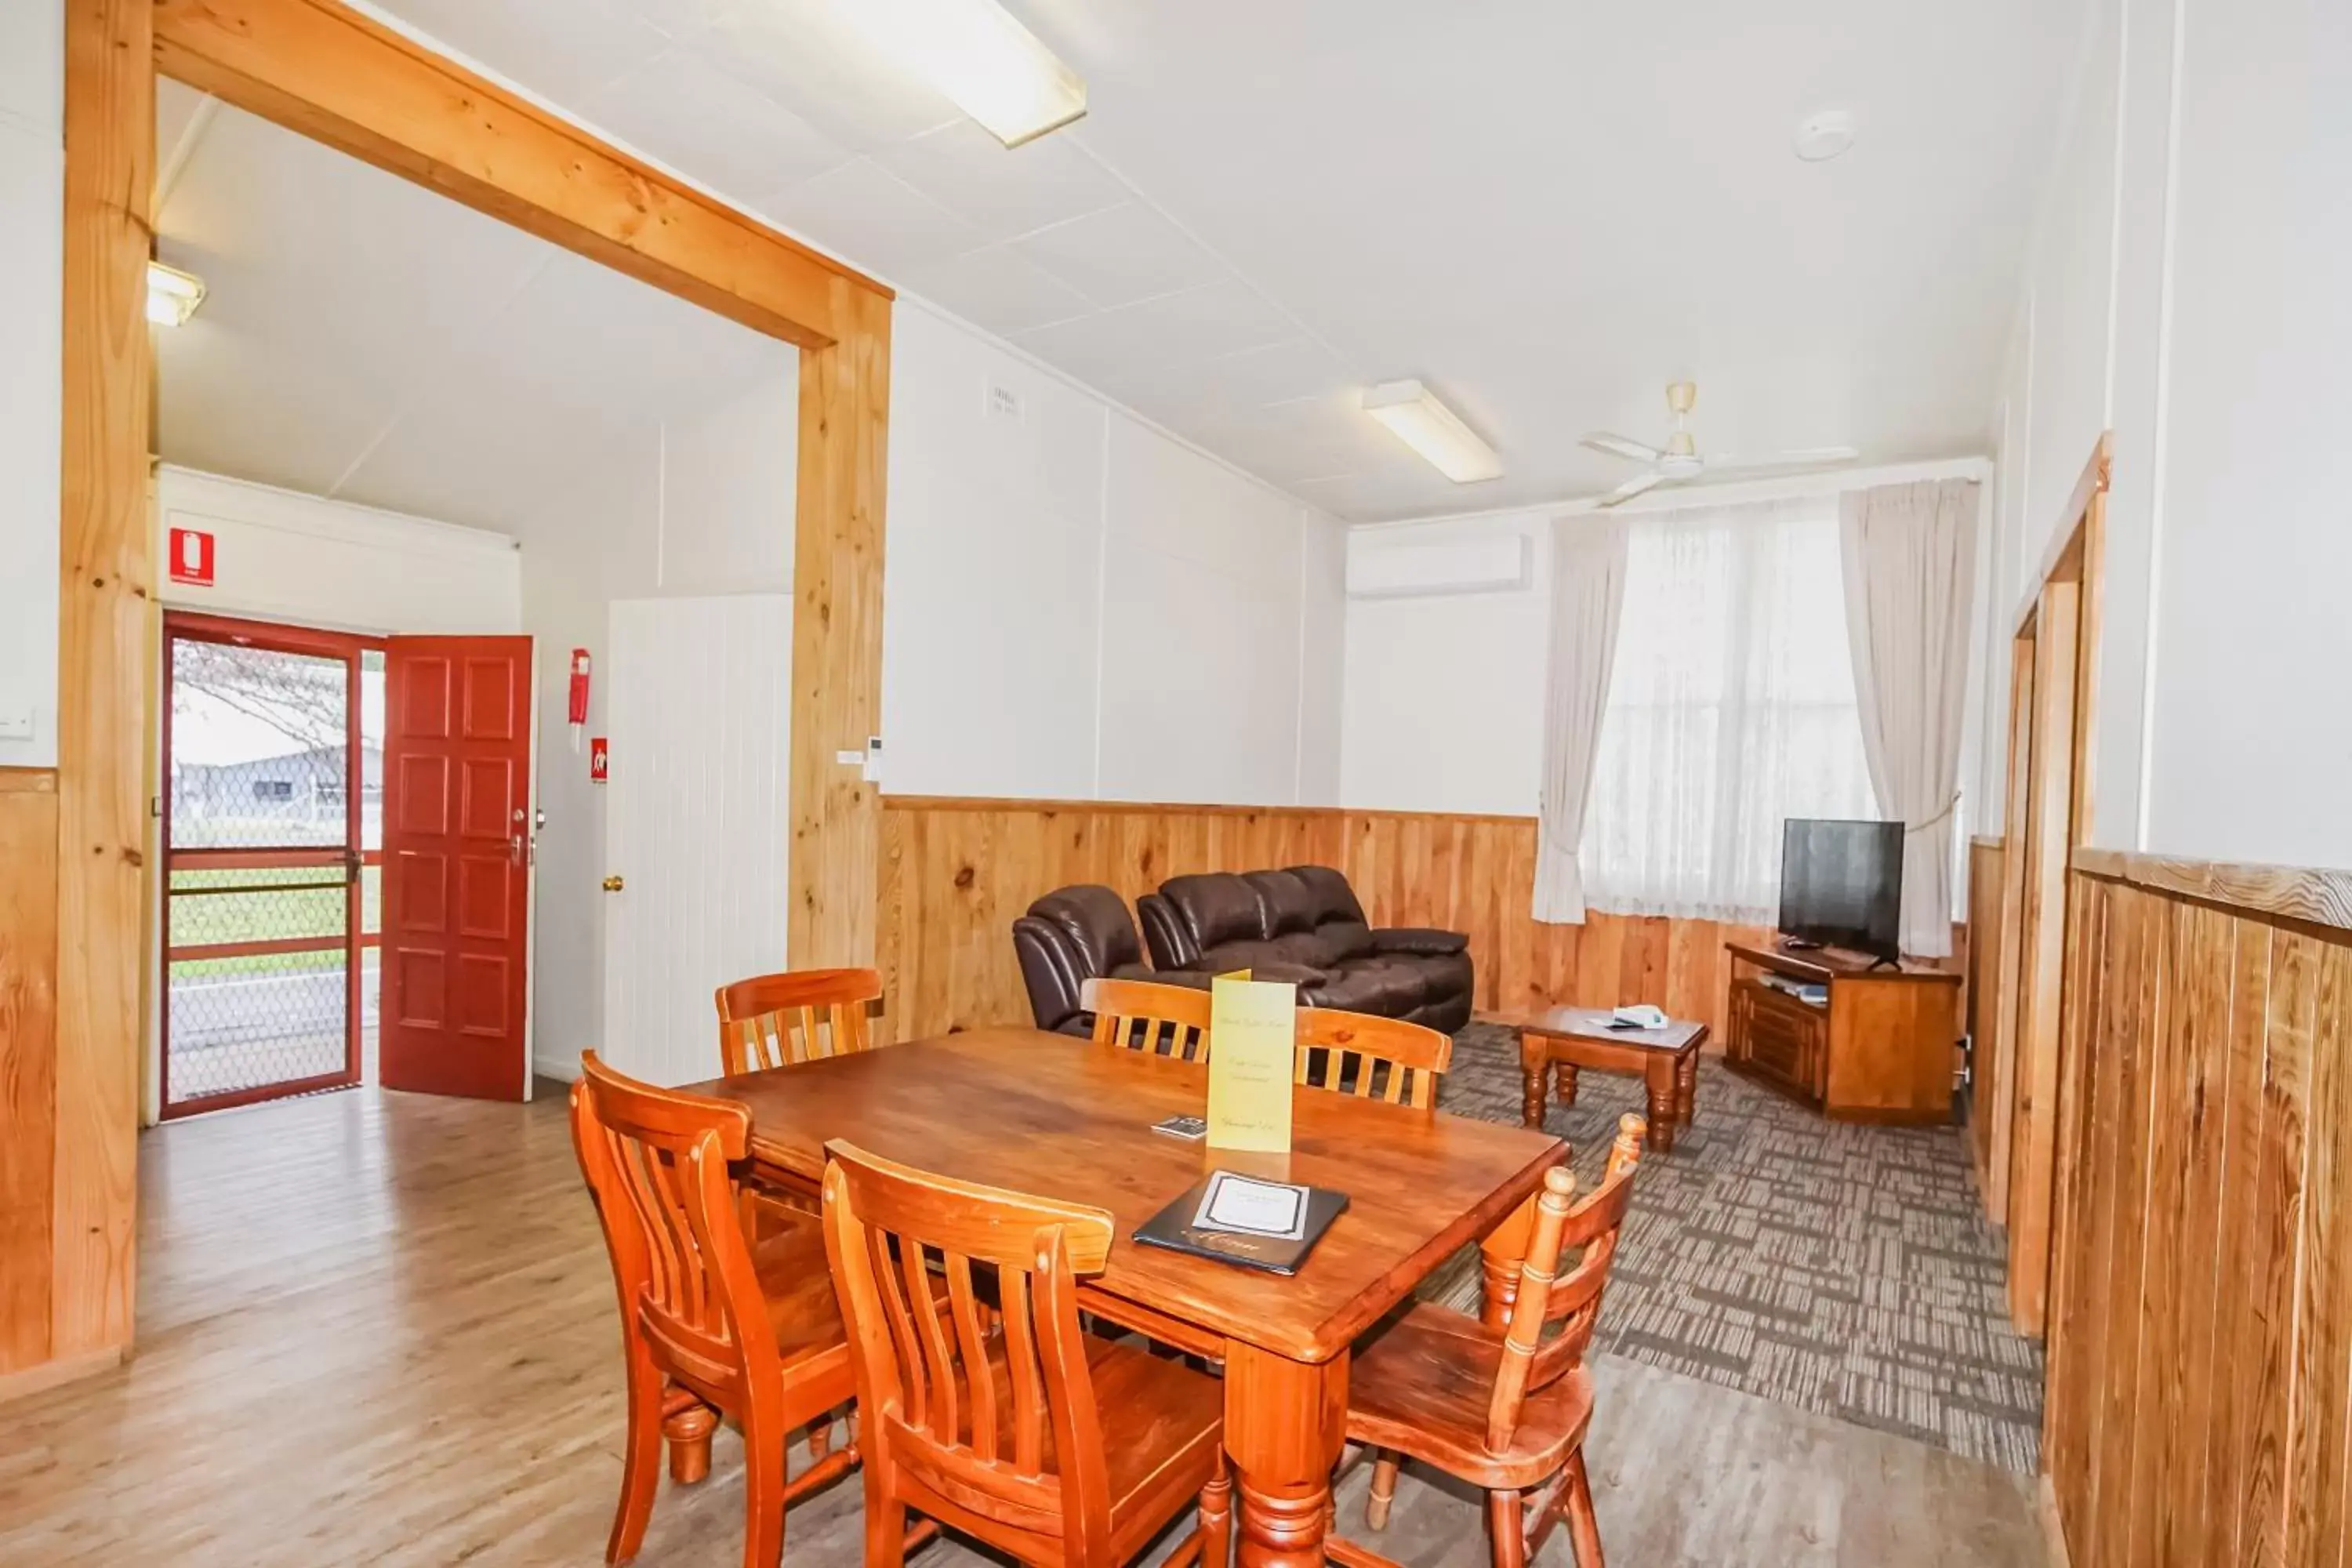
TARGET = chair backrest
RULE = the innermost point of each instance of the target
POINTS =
(657, 1162)
(1571, 1300)
(998, 1419)
(776, 1020)
(1146, 1015)
(1373, 1057)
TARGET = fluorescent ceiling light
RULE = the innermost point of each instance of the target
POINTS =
(172, 295)
(972, 50)
(1412, 412)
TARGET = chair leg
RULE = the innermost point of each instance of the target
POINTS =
(1508, 1527)
(1217, 1520)
(1383, 1490)
(763, 1494)
(1583, 1530)
(641, 1448)
(688, 1422)
(885, 1530)
(820, 1436)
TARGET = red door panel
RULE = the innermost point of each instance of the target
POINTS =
(456, 883)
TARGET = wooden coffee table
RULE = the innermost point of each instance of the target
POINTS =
(1569, 1039)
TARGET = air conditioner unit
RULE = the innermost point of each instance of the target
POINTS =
(1493, 565)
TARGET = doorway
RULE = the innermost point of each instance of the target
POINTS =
(272, 837)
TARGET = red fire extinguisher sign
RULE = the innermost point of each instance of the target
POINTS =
(191, 557)
(596, 755)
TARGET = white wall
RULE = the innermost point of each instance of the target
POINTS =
(702, 504)
(2210, 143)
(1444, 692)
(282, 555)
(31, 247)
(1080, 606)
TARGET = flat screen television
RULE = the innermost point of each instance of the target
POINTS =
(1842, 885)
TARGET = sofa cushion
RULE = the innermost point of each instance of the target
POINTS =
(1423, 940)
(1334, 898)
(1286, 904)
(1219, 907)
(1096, 922)
(1344, 939)
(1264, 960)
(1372, 986)
(1306, 947)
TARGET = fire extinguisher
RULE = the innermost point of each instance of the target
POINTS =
(579, 694)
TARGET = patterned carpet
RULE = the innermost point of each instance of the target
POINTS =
(1843, 1269)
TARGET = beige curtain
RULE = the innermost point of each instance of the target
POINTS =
(1909, 554)
(1588, 590)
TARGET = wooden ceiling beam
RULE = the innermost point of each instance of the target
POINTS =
(338, 77)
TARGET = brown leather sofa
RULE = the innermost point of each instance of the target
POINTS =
(1302, 925)
(1306, 919)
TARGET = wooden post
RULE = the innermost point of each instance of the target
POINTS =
(835, 854)
(105, 604)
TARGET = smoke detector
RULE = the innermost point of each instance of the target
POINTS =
(1824, 136)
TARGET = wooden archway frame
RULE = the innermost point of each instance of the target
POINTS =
(322, 70)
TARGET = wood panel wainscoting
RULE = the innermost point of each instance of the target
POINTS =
(2200, 1309)
(956, 871)
(1981, 1013)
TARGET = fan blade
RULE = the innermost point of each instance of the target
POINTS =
(1632, 487)
(1619, 446)
(1811, 457)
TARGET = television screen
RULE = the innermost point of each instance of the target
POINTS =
(1841, 884)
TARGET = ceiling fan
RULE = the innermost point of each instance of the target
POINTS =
(1679, 462)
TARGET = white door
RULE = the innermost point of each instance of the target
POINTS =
(696, 823)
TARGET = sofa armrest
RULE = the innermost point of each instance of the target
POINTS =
(1051, 970)
(1419, 941)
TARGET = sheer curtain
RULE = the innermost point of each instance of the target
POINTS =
(1732, 707)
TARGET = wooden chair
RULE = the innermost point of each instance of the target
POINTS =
(993, 1412)
(1500, 1404)
(710, 1324)
(1373, 1057)
(1138, 1014)
(777, 1020)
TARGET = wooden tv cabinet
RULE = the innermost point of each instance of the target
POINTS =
(1880, 1050)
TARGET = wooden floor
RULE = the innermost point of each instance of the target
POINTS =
(380, 1328)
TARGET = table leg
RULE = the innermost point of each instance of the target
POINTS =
(1533, 1061)
(1687, 1088)
(1659, 1079)
(1567, 1073)
(1285, 1422)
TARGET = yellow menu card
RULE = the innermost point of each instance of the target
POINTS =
(1253, 1031)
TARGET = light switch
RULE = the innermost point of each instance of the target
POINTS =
(16, 724)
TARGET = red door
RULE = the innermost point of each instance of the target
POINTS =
(456, 771)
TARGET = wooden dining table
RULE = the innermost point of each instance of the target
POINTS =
(1066, 1119)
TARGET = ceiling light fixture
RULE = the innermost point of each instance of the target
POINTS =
(974, 51)
(1413, 414)
(1825, 136)
(172, 295)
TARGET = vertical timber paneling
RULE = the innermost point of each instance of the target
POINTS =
(1985, 947)
(28, 957)
(956, 872)
(2200, 1403)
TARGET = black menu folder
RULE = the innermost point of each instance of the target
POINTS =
(1174, 1228)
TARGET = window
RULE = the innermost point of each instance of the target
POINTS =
(273, 789)
(1731, 706)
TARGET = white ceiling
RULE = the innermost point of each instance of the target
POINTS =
(365, 339)
(1545, 210)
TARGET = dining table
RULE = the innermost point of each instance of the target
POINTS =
(1067, 1119)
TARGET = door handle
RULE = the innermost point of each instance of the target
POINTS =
(514, 848)
(612, 884)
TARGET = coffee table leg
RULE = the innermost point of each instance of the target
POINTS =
(1664, 1098)
(1285, 1422)
(1686, 1088)
(1567, 1071)
(1533, 1060)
